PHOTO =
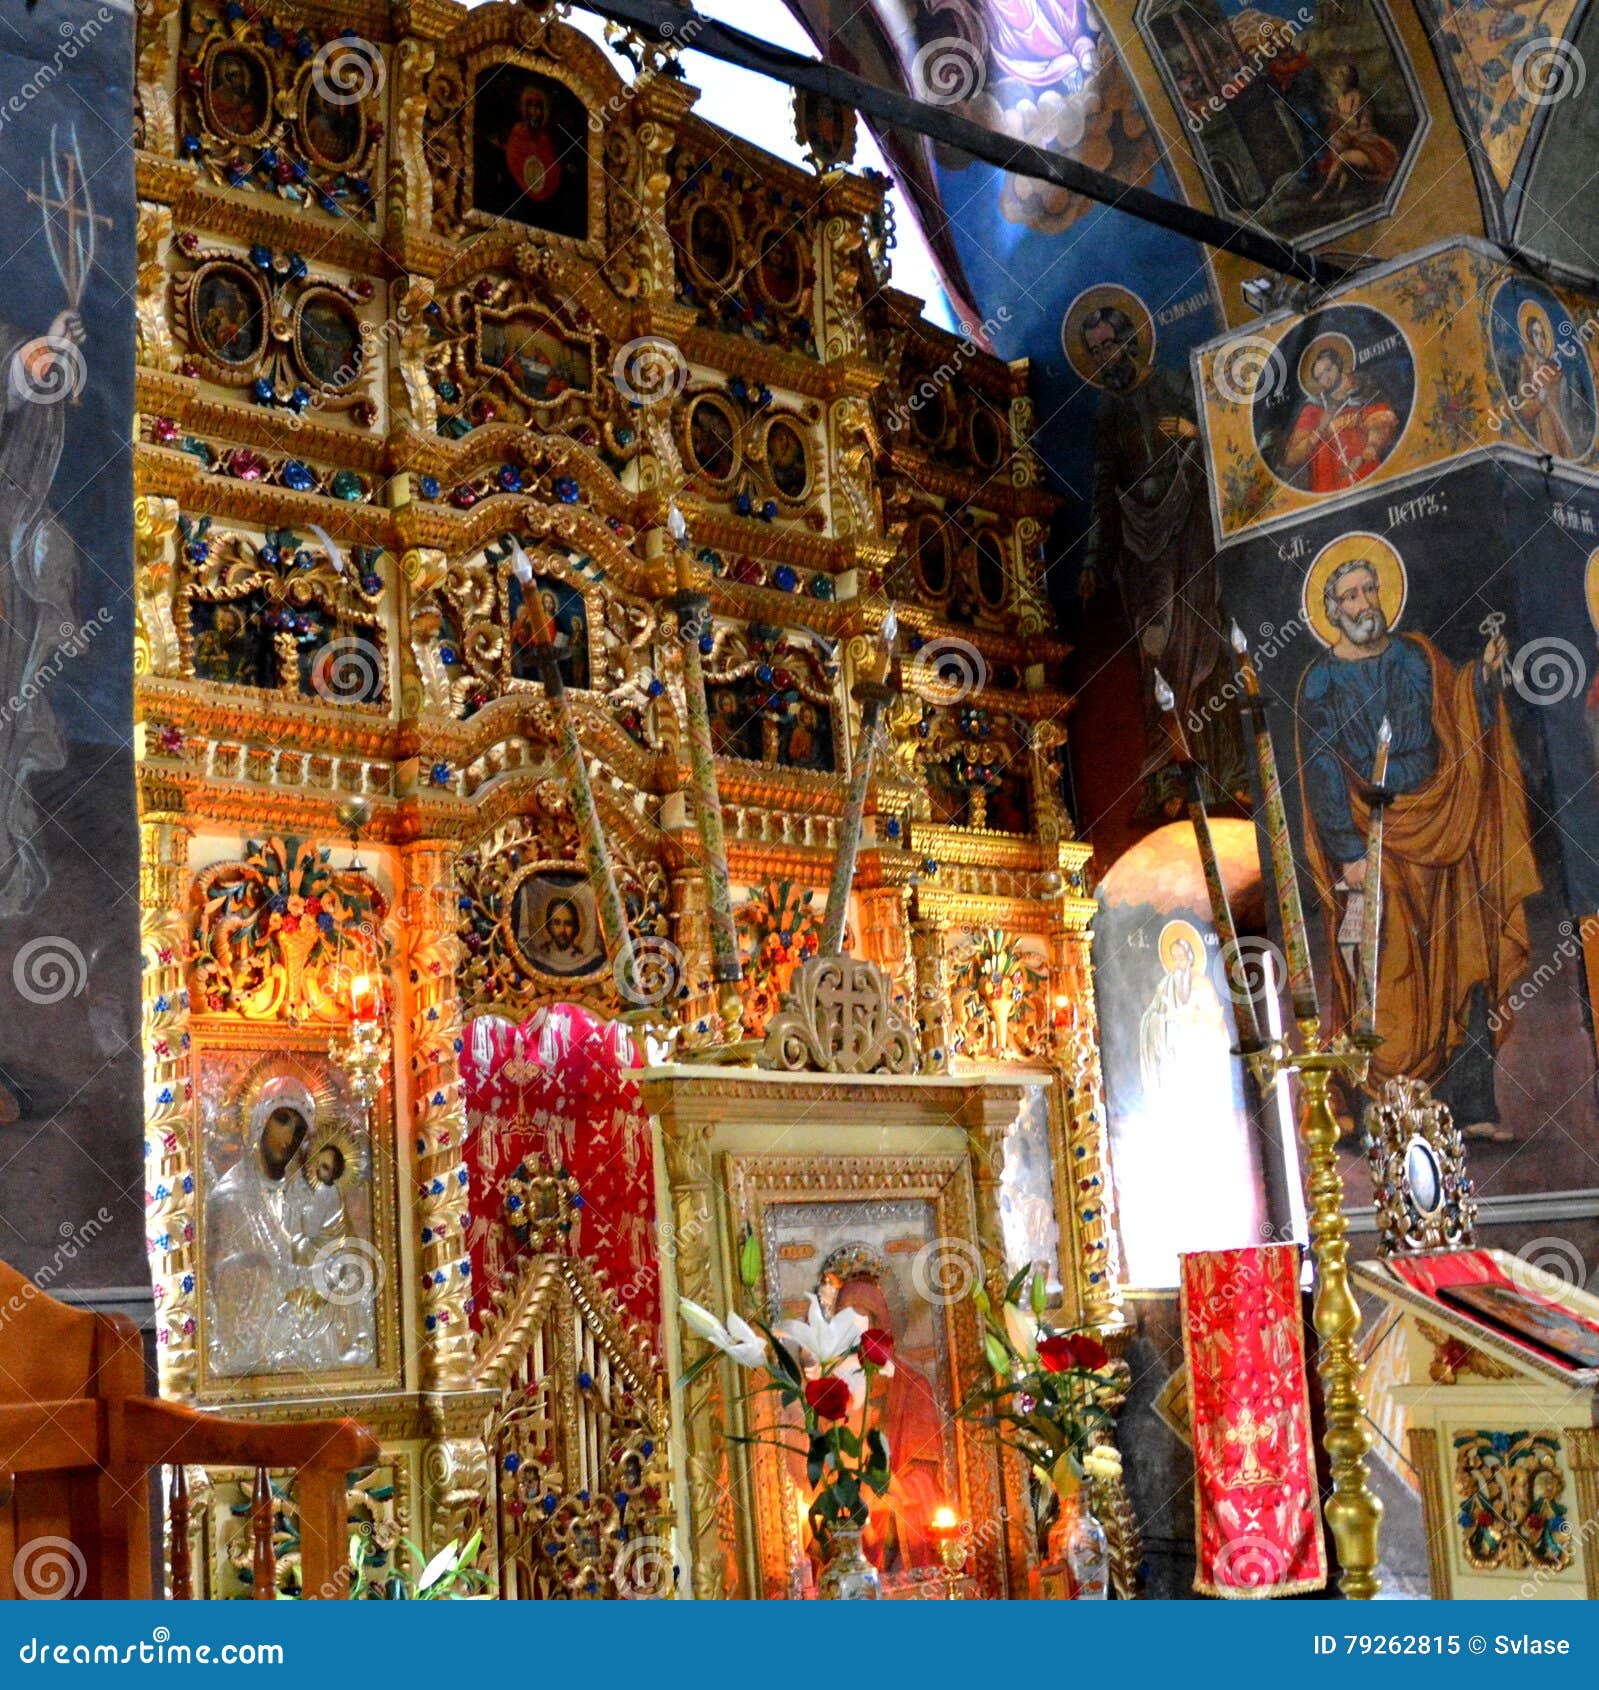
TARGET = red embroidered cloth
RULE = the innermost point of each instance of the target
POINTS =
(559, 1087)
(1257, 1515)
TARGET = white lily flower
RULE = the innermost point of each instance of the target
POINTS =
(1021, 1327)
(824, 1341)
(737, 1338)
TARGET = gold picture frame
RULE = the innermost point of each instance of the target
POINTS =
(833, 1224)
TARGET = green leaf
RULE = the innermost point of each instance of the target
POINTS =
(1014, 1290)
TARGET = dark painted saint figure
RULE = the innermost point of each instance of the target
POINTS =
(1457, 866)
(1150, 533)
(38, 579)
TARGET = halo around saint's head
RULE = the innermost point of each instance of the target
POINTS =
(1137, 337)
(1530, 312)
(352, 1169)
(1180, 931)
(1331, 341)
(1590, 587)
(1392, 582)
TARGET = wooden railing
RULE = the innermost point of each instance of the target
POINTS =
(78, 1439)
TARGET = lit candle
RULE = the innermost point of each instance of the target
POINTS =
(1221, 912)
(364, 999)
(1301, 980)
(1371, 909)
(944, 1523)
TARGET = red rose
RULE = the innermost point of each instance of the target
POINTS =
(876, 1347)
(1088, 1353)
(829, 1397)
(1056, 1353)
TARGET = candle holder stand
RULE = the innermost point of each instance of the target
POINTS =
(1353, 1510)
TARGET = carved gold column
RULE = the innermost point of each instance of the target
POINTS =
(439, 1114)
(1582, 1452)
(701, 1411)
(932, 994)
(1090, 1193)
(169, 1105)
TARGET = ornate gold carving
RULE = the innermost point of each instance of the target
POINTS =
(1418, 1172)
(169, 1102)
(1511, 1516)
(439, 1105)
(1452, 1357)
(279, 933)
(999, 992)
(838, 1017)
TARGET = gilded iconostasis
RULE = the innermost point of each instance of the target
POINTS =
(647, 773)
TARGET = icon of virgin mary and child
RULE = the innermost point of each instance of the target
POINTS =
(289, 1289)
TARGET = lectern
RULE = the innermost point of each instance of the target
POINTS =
(1496, 1374)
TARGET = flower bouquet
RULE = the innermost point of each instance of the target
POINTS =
(819, 1370)
(1049, 1405)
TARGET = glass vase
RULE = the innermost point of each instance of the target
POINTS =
(1077, 1567)
(847, 1576)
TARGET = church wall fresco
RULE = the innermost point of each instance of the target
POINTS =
(69, 1058)
(1479, 579)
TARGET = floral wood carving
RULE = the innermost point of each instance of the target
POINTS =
(1511, 1516)
(839, 1018)
(279, 932)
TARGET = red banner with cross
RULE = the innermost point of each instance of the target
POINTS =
(1257, 1515)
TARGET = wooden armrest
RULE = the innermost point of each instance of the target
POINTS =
(167, 1433)
(38, 1436)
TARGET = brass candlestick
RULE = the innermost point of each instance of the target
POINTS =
(1354, 1511)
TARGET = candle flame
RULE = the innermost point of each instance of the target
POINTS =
(1240, 644)
(521, 563)
(1385, 734)
(1164, 696)
(945, 1520)
(675, 523)
(890, 629)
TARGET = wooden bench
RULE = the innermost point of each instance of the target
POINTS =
(78, 1438)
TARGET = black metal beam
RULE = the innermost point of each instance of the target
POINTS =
(671, 24)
